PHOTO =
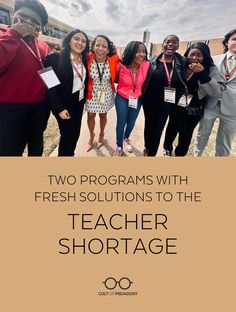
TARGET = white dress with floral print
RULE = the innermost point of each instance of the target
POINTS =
(93, 105)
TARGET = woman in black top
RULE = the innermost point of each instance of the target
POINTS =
(67, 99)
(202, 76)
(164, 86)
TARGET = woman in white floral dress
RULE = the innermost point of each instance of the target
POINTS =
(102, 66)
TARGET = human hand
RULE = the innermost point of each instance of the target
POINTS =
(196, 67)
(64, 114)
(25, 29)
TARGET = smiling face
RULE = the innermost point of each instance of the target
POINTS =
(140, 55)
(170, 45)
(195, 56)
(232, 44)
(77, 43)
(100, 49)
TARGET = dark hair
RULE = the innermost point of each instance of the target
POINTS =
(176, 37)
(203, 47)
(226, 39)
(35, 6)
(130, 51)
(64, 63)
(65, 46)
(111, 46)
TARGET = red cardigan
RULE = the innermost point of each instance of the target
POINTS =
(112, 61)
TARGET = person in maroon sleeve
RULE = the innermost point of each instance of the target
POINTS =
(24, 109)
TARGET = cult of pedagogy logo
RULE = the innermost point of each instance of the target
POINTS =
(117, 287)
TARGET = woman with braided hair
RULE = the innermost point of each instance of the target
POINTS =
(132, 71)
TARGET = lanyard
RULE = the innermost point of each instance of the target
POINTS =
(77, 72)
(38, 56)
(186, 88)
(169, 75)
(134, 80)
(100, 74)
(190, 76)
(228, 74)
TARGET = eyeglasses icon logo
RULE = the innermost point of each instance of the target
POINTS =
(111, 283)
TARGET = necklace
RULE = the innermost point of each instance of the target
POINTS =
(77, 59)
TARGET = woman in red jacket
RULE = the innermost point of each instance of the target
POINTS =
(102, 64)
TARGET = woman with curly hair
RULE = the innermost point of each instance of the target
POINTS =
(67, 99)
(102, 67)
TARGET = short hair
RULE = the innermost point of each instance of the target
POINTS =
(171, 35)
(130, 52)
(226, 39)
(111, 46)
(35, 6)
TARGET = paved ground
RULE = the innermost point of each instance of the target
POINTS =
(109, 142)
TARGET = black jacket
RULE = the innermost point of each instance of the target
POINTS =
(180, 65)
(60, 97)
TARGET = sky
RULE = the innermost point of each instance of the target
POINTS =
(126, 20)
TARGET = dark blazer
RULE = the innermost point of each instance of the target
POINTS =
(60, 97)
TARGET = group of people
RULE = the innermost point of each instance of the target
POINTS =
(182, 91)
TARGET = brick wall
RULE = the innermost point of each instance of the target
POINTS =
(215, 46)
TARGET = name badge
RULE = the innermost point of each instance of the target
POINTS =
(49, 77)
(101, 97)
(169, 95)
(133, 102)
(184, 101)
(81, 94)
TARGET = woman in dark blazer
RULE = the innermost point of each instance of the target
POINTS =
(67, 99)
(164, 86)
